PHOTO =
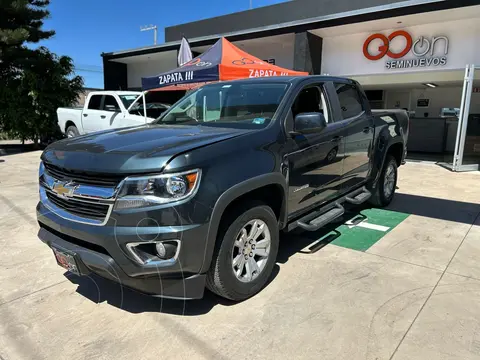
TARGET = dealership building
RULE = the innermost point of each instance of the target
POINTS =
(417, 55)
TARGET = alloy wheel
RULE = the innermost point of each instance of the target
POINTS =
(251, 250)
(389, 181)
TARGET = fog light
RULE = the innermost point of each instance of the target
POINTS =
(161, 251)
(166, 249)
(153, 252)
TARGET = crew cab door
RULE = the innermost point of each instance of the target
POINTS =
(135, 113)
(113, 116)
(92, 112)
(315, 160)
(359, 131)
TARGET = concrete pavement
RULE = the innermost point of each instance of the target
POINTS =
(412, 295)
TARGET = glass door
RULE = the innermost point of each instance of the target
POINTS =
(467, 145)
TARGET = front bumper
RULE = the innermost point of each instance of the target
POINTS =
(102, 250)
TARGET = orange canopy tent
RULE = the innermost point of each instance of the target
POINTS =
(223, 61)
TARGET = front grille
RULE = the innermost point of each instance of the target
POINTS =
(84, 178)
(88, 210)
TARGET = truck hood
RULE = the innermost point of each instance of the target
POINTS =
(146, 148)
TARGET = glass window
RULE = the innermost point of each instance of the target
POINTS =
(95, 101)
(241, 105)
(310, 99)
(128, 99)
(349, 99)
(450, 112)
(110, 104)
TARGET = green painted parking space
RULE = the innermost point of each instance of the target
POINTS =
(360, 231)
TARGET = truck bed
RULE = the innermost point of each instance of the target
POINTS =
(72, 114)
(400, 115)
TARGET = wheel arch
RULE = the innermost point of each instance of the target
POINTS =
(69, 123)
(269, 188)
(386, 146)
(396, 150)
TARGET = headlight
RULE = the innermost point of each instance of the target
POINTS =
(143, 191)
(41, 169)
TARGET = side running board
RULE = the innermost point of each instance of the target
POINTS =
(358, 197)
(323, 219)
(319, 218)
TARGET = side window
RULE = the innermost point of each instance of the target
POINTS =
(349, 99)
(95, 101)
(111, 104)
(311, 99)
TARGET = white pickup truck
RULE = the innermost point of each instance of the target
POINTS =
(105, 110)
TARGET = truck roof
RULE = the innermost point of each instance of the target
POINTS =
(118, 92)
(287, 79)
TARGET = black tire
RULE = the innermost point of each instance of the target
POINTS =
(221, 278)
(332, 155)
(379, 197)
(72, 130)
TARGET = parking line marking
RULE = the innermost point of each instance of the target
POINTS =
(367, 225)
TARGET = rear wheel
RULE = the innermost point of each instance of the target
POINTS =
(387, 183)
(245, 254)
(72, 131)
(332, 155)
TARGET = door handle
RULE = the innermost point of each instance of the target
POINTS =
(336, 139)
(366, 130)
(85, 115)
(103, 116)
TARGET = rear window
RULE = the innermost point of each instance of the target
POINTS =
(110, 103)
(95, 101)
(349, 99)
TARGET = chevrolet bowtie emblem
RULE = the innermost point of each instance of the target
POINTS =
(65, 189)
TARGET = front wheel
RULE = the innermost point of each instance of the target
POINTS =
(245, 254)
(383, 194)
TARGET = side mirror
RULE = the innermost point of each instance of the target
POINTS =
(308, 123)
(111, 108)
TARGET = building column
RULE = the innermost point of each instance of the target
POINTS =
(114, 75)
(307, 53)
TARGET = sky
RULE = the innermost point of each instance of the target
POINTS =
(84, 29)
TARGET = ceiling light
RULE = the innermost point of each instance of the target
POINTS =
(431, 85)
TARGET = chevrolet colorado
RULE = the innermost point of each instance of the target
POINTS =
(198, 198)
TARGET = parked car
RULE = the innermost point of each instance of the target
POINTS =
(105, 110)
(199, 197)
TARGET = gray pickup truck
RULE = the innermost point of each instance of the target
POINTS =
(199, 197)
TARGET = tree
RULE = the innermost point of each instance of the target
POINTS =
(34, 82)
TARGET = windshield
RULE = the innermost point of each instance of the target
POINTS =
(239, 105)
(128, 99)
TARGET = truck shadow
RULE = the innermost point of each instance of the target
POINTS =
(99, 290)
(309, 242)
(14, 149)
(435, 208)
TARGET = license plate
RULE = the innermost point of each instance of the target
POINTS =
(66, 260)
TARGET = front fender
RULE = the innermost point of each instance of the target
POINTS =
(234, 193)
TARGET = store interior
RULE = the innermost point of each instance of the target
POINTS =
(433, 100)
